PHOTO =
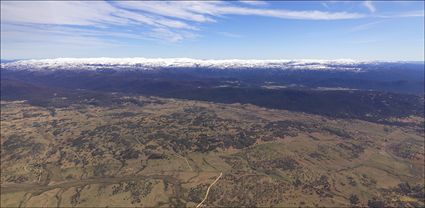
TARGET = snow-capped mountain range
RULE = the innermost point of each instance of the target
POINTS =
(157, 63)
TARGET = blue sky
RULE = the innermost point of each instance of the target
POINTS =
(361, 30)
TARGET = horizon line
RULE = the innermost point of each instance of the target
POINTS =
(215, 59)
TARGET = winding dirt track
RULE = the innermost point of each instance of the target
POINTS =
(187, 162)
(208, 190)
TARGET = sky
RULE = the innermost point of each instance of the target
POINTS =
(359, 30)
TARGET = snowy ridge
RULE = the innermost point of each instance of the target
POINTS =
(157, 63)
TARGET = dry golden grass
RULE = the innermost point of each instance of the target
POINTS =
(85, 155)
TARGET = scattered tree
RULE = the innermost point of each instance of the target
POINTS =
(354, 199)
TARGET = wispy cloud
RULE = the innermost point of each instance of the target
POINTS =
(369, 5)
(97, 14)
(324, 4)
(407, 14)
(208, 11)
(58, 12)
(172, 21)
(255, 2)
(366, 26)
(419, 13)
(183, 10)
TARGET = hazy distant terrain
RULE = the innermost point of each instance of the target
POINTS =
(283, 134)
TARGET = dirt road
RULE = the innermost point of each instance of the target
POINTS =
(208, 190)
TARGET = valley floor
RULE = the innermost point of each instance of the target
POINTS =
(156, 152)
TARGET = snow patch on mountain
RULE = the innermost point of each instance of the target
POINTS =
(158, 63)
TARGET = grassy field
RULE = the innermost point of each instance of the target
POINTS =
(154, 152)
